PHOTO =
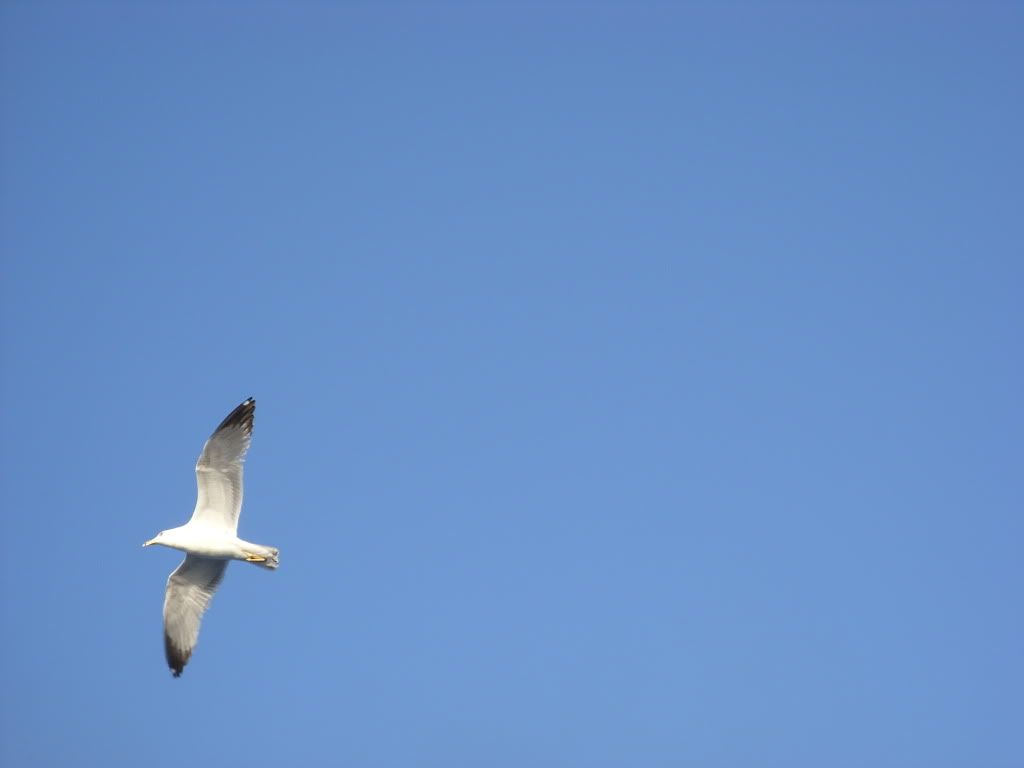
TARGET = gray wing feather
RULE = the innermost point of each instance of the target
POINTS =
(219, 469)
(189, 591)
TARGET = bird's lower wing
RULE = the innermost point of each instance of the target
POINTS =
(189, 591)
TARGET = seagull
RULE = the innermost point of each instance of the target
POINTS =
(209, 539)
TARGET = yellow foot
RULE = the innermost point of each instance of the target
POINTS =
(251, 558)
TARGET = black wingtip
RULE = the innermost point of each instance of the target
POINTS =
(176, 658)
(242, 416)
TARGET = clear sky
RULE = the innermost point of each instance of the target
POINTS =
(638, 384)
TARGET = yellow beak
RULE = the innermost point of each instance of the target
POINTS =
(147, 543)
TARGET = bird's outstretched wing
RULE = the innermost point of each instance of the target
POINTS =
(189, 591)
(219, 470)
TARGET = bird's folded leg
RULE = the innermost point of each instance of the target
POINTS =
(251, 558)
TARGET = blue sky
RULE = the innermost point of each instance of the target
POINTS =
(638, 384)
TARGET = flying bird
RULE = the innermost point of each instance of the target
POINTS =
(209, 539)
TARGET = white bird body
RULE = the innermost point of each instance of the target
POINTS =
(209, 539)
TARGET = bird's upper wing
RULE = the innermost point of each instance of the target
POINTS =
(189, 591)
(219, 470)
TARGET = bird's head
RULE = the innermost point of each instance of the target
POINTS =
(158, 539)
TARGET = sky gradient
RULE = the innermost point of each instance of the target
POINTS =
(637, 384)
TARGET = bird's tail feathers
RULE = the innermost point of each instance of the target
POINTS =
(264, 557)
